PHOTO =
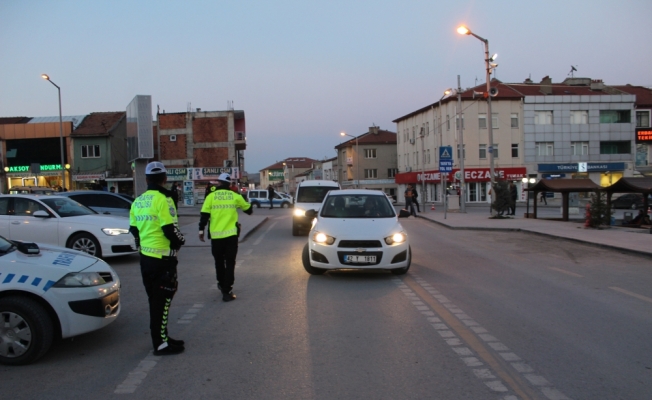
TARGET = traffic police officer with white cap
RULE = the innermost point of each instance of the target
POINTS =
(153, 222)
(221, 207)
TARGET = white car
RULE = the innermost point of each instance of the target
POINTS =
(310, 195)
(61, 221)
(356, 229)
(49, 292)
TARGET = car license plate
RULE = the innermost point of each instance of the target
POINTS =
(360, 259)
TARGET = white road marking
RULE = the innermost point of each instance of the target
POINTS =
(248, 252)
(260, 239)
(627, 292)
(137, 376)
(191, 313)
(466, 354)
(563, 271)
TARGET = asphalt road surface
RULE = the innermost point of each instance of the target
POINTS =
(480, 315)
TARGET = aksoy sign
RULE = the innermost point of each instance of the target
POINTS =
(44, 167)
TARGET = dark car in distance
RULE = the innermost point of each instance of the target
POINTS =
(630, 201)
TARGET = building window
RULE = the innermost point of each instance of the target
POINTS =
(579, 148)
(369, 153)
(514, 150)
(615, 117)
(482, 121)
(391, 172)
(463, 150)
(495, 150)
(545, 149)
(543, 117)
(643, 119)
(428, 155)
(494, 120)
(514, 120)
(579, 117)
(620, 147)
(370, 173)
(482, 151)
(448, 123)
(457, 125)
(90, 151)
(427, 128)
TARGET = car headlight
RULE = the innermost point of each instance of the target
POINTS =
(299, 212)
(396, 238)
(323, 238)
(115, 231)
(80, 279)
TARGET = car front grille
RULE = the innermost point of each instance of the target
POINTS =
(354, 244)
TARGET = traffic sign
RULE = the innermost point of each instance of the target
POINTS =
(445, 159)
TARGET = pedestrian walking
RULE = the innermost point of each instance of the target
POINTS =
(408, 200)
(175, 195)
(415, 197)
(270, 196)
(512, 197)
(153, 223)
(221, 208)
(543, 198)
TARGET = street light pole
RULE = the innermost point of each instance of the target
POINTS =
(442, 176)
(461, 130)
(63, 171)
(357, 158)
(465, 31)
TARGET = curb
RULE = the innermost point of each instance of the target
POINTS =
(252, 230)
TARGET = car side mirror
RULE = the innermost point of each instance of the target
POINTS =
(311, 214)
(40, 214)
(403, 213)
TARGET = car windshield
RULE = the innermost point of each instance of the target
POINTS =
(313, 194)
(66, 207)
(357, 206)
(5, 246)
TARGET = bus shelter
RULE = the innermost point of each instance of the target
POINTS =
(563, 186)
(642, 185)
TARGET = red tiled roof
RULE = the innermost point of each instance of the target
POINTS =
(382, 137)
(643, 94)
(14, 120)
(298, 162)
(98, 123)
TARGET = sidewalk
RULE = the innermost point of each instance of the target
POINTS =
(633, 240)
(190, 231)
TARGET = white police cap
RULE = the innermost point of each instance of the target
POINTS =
(224, 178)
(154, 168)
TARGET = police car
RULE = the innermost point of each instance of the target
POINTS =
(49, 292)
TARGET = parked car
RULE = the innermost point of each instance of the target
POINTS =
(61, 221)
(309, 196)
(48, 292)
(631, 201)
(32, 190)
(101, 202)
(356, 229)
(258, 198)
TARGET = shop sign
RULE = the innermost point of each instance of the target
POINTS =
(87, 177)
(177, 174)
(211, 173)
(275, 175)
(470, 175)
(644, 135)
(590, 167)
(26, 168)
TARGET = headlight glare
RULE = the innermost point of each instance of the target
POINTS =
(323, 238)
(80, 279)
(299, 212)
(115, 231)
(396, 238)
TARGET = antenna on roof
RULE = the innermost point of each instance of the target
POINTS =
(573, 69)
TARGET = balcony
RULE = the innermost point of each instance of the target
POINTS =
(240, 141)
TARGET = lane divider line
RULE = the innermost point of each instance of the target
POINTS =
(452, 322)
(138, 374)
(191, 313)
(260, 239)
(635, 295)
(563, 271)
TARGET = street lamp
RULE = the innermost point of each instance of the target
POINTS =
(357, 158)
(463, 30)
(528, 181)
(63, 171)
(441, 143)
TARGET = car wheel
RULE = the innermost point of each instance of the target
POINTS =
(634, 206)
(257, 204)
(404, 270)
(87, 243)
(305, 257)
(285, 205)
(26, 331)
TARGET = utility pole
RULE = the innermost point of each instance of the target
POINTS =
(461, 150)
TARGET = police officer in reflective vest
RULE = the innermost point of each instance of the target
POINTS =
(153, 222)
(221, 207)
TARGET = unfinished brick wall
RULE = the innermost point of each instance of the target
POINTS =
(210, 129)
(173, 150)
(172, 121)
(212, 157)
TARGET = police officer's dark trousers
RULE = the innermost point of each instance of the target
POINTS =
(224, 252)
(160, 280)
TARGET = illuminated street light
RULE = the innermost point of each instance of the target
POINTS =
(63, 170)
(357, 158)
(463, 30)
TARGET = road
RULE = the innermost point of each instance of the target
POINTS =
(480, 315)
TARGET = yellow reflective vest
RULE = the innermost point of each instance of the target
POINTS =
(149, 212)
(222, 205)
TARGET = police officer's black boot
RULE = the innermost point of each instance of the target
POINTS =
(228, 296)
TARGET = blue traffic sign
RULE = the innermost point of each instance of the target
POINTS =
(446, 159)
